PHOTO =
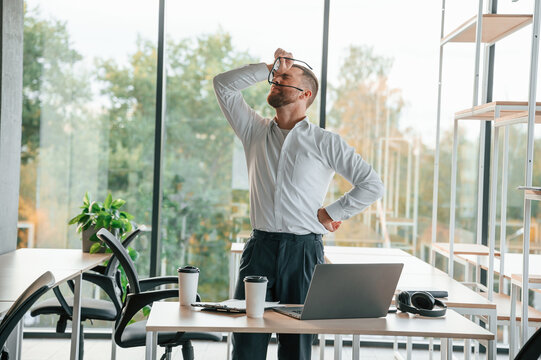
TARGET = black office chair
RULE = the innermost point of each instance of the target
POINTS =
(139, 295)
(21, 306)
(532, 348)
(107, 278)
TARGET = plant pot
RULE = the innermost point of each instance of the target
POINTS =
(87, 243)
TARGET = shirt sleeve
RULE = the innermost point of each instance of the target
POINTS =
(367, 185)
(227, 86)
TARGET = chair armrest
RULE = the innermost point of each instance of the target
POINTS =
(62, 301)
(100, 269)
(150, 283)
(137, 301)
(107, 283)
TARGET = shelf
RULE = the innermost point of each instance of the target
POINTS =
(503, 308)
(520, 117)
(532, 279)
(487, 112)
(495, 27)
(464, 249)
(531, 193)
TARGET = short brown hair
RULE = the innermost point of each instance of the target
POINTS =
(309, 79)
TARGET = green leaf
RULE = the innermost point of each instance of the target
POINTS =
(133, 253)
(146, 311)
(95, 248)
(117, 224)
(95, 238)
(95, 207)
(76, 219)
(108, 201)
(107, 222)
(86, 199)
(126, 215)
(118, 203)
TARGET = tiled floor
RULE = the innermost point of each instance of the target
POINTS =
(57, 349)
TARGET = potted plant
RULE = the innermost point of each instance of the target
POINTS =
(96, 215)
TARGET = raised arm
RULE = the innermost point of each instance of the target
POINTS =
(227, 86)
(367, 185)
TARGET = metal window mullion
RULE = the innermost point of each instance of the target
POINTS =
(155, 248)
(324, 56)
(529, 168)
(503, 211)
(437, 150)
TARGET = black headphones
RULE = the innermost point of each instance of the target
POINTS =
(420, 302)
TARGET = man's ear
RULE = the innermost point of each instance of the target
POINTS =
(307, 94)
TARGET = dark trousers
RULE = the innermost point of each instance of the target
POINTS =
(288, 262)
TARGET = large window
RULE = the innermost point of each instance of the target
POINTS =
(206, 200)
(88, 116)
(382, 100)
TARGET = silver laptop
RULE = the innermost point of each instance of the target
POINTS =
(342, 291)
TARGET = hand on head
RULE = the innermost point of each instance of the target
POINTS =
(285, 64)
(327, 221)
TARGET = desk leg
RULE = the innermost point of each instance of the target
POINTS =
(113, 343)
(20, 327)
(76, 318)
(493, 328)
(446, 349)
(337, 347)
(229, 339)
(151, 343)
(513, 322)
(321, 346)
(467, 342)
(409, 348)
(356, 347)
(431, 349)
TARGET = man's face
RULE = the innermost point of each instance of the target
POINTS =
(279, 95)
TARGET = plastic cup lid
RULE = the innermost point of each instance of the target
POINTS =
(188, 269)
(255, 279)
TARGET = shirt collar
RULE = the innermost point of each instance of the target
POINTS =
(303, 122)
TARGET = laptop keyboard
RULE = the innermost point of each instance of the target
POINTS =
(291, 311)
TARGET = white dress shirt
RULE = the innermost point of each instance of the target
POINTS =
(289, 175)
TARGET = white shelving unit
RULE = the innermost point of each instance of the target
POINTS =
(487, 29)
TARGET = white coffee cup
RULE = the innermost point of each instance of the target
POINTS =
(188, 276)
(255, 288)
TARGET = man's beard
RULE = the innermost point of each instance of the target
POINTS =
(279, 99)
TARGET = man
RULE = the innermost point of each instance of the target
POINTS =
(290, 165)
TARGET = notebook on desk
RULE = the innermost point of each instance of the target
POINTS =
(231, 305)
(343, 291)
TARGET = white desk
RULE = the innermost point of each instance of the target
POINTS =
(169, 316)
(419, 274)
(18, 269)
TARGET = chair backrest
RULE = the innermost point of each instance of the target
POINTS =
(23, 303)
(532, 348)
(123, 257)
(112, 265)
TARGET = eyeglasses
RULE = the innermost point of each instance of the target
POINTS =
(275, 67)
